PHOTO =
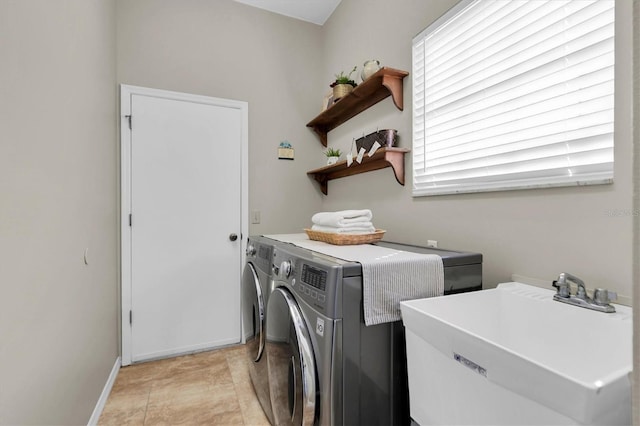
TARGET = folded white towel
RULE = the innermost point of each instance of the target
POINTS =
(353, 229)
(342, 218)
(366, 225)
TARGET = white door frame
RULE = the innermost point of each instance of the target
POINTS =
(126, 91)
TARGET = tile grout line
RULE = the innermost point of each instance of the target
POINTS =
(235, 389)
(146, 406)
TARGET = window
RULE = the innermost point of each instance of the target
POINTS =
(514, 94)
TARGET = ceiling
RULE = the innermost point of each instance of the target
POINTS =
(315, 11)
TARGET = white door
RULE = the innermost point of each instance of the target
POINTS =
(184, 189)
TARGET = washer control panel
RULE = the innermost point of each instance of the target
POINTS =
(313, 284)
(312, 280)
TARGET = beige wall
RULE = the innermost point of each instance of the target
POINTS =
(282, 67)
(636, 216)
(226, 49)
(536, 233)
(58, 337)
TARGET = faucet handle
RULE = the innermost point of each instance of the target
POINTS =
(563, 287)
(603, 297)
(581, 292)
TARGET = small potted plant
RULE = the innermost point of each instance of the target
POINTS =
(332, 155)
(343, 84)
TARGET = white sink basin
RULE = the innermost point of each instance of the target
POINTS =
(512, 355)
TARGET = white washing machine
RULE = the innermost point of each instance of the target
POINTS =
(256, 282)
(325, 366)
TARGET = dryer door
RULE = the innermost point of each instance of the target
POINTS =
(292, 369)
(253, 312)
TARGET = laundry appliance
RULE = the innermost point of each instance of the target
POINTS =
(325, 365)
(256, 282)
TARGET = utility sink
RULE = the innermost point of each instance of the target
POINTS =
(512, 355)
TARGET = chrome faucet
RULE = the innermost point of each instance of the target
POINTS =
(601, 297)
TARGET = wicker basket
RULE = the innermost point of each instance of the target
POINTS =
(345, 239)
(341, 90)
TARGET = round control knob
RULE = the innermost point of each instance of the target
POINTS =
(251, 250)
(601, 296)
(285, 269)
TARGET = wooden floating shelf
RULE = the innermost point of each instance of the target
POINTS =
(384, 157)
(385, 82)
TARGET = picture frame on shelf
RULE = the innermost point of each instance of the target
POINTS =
(327, 101)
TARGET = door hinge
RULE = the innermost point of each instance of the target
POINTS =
(128, 117)
(130, 219)
(130, 317)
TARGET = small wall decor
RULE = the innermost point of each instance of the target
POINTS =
(285, 151)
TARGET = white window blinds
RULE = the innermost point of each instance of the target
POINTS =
(514, 94)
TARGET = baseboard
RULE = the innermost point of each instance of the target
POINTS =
(97, 411)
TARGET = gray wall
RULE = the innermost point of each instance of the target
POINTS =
(536, 233)
(226, 49)
(58, 336)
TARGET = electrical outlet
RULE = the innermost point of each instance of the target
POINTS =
(255, 217)
(432, 243)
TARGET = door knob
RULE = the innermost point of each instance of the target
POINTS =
(233, 237)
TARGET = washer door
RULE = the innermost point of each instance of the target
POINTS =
(292, 369)
(253, 312)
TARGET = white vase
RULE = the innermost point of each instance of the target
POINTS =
(332, 160)
(370, 68)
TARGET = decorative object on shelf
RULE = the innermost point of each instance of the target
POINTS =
(385, 137)
(389, 136)
(373, 148)
(343, 84)
(327, 101)
(285, 151)
(333, 155)
(384, 83)
(370, 68)
(352, 153)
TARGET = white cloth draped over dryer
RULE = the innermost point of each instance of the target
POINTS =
(388, 276)
(344, 222)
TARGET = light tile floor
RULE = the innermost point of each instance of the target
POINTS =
(212, 388)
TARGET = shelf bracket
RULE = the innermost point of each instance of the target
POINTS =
(397, 164)
(322, 134)
(394, 85)
(323, 181)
